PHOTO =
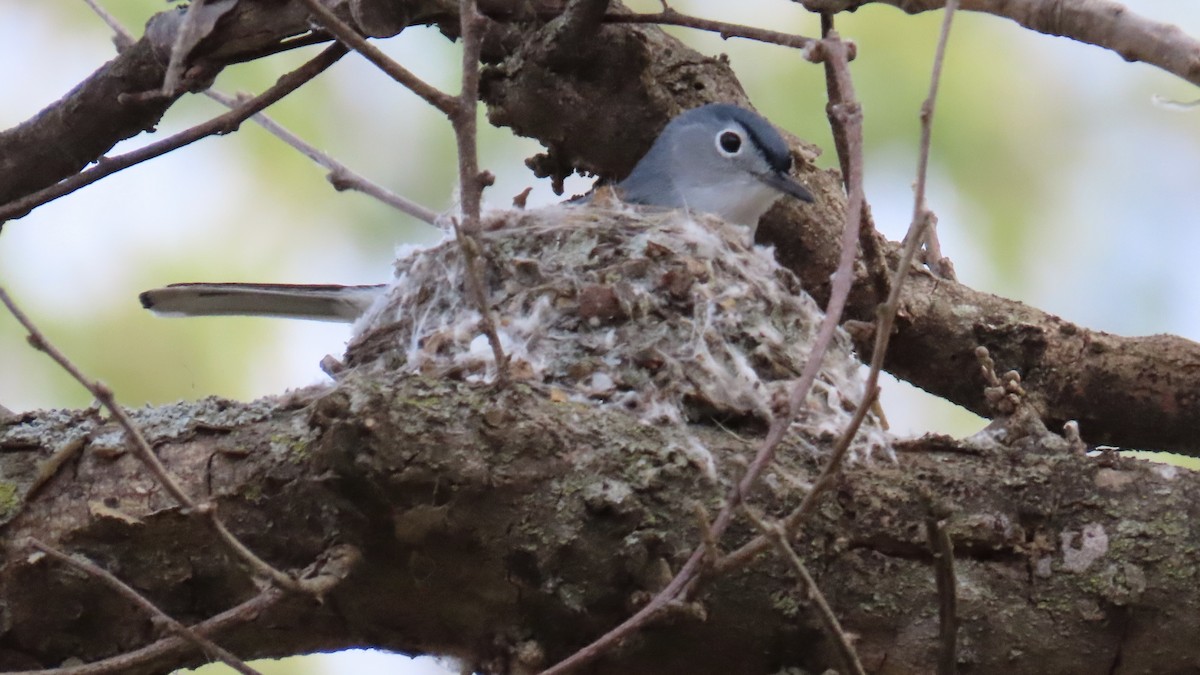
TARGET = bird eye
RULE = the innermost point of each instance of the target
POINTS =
(729, 142)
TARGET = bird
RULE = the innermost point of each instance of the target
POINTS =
(718, 158)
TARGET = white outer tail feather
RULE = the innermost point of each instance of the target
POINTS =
(291, 301)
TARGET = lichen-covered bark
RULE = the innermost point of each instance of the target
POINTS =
(499, 526)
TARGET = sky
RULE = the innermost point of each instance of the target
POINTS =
(1057, 178)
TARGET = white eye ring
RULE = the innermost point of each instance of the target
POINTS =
(729, 142)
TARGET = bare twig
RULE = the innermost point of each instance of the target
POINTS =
(947, 588)
(471, 181)
(348, 36)
(91, 569)
(103, 394)
(843, 279)
(851, 114)
(932, 255)
(796, 518)
(726, 30)
(340, 175)
(142, 448)
(123, 663)
(832, 467)
(846, 117)
(841, 85)
(122, 38)
(222, 124)
(833, 628)
(920, 220)
(922, 225)
(461, 112)
(471, 184)
(1103, 23)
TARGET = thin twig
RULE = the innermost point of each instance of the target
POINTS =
(471, 182)
(1104, 23)
(846, 115)
(128, 661)
(105, 396)
(143, 450)
(726, 30)
(947, 588)
(913, 238)
(886, 313)
(808, 586)
(122, 38)
(796, 518)
(349, 37)
(922, 225)
(222, 124)
(843, 278)
(833, 94)
(340, 175)
(461, 112)
(91, 569)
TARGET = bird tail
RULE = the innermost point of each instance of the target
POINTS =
(289, 301)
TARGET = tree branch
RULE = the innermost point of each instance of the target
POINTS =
(348, 36)
(90, 568)
(111, 105)
(476, 510)
(141, 448)
(1102, 23)
(222, 124)
(153, 657)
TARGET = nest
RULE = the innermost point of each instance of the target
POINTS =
(670, 316)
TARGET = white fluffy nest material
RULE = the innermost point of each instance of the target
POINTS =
(675, 318)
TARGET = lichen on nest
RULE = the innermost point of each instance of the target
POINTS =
(674, 317)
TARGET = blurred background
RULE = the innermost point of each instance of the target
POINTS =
(1058, 176)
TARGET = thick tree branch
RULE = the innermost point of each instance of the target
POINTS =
(1133, 392)
(476, 511)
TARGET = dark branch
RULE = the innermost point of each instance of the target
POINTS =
(411, 473)
(222, 124)
(1103, 23)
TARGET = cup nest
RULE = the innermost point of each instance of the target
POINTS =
(674, 317)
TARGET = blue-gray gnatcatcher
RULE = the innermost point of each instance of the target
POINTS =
(718, 159)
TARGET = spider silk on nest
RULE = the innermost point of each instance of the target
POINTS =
(673, 317)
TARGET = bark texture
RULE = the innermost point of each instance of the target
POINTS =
(509, 529)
